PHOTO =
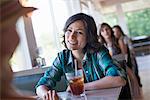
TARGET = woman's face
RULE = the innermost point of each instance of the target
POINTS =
(117, 33)
(106, 32)
(75, 36)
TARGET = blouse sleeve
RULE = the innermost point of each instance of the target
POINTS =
(108, 66)
(53, 74)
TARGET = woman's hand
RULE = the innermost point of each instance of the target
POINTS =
(44, 93)
(50, 95)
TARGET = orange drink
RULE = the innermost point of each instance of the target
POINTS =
(77, 85)
(76, 82)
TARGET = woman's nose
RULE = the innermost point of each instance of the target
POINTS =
(104, 31)
(73, 35)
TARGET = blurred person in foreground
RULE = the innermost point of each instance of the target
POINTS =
(81, 42)
(11, 10)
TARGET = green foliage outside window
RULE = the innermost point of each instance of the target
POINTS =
(111, 19)
(138, 22)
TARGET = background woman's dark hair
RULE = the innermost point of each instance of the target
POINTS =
(114, 40)
(90, 29)
(101, 27)
(120, 29)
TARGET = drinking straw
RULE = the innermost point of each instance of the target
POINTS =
(76, 65)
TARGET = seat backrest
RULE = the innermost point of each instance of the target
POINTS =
(126, 90)
(27, 83)
(132, 84)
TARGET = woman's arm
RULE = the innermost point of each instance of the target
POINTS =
(122, 46)
(113, 77)
(106, 82)
(48, 80)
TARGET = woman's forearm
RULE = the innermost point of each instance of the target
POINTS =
(41, 90)
(123, 47)
(106, 82)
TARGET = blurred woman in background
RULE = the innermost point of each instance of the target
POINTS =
(116, 47)
(107, 38)
(126, 43)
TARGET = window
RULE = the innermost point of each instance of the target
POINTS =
(21, 58)
(47, 23)
(111, 19)
(138, 22)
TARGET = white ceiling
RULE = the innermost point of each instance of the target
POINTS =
(108, 6)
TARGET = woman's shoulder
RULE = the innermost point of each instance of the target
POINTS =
(102, 50)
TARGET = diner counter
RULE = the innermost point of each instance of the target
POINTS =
(30, 72)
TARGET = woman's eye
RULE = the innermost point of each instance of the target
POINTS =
(80, 32)
(102, 30)
(68, 31)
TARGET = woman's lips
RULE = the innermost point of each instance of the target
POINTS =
(72, 43)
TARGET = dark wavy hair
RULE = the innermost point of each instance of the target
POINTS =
(120, 29)
(90, 30)
(101, 37)
(114, 40)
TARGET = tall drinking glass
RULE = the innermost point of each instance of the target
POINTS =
(76, 82)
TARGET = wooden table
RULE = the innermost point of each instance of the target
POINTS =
(103, 94)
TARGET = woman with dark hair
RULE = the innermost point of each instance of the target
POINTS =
(124, 42)
(131, 61)
(107, 38)
(81, 42)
